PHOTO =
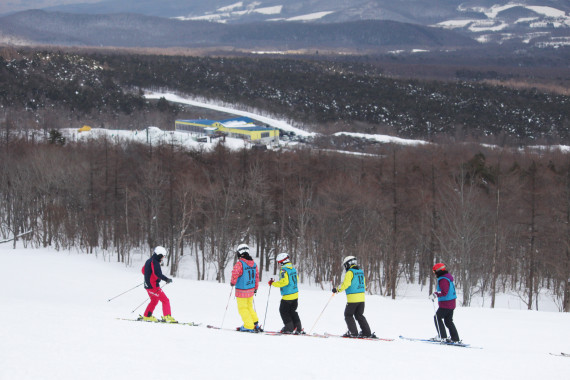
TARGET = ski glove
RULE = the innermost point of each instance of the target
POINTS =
(334, 290)
(433, 296)
(270, 282)
(168, 280)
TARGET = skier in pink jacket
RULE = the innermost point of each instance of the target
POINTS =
(245, 278)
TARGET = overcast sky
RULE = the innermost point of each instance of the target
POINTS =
(22, 5)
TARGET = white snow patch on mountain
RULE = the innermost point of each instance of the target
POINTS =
(231, 7)
(218, 17)
(269, 10)
(531, 36)
(555, 42)
(496, 9)
(310, 16)
(546, 24)
(488, 26)
(525, 20)
(383, 138)
(547, 11)
(452, 24)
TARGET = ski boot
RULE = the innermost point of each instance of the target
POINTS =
(362, 335)
(168, 319)
(288, 328)
(243, 329)
(150, 318)
(258, 327)
(299, 332)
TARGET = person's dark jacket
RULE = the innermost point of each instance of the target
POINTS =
(153, 273)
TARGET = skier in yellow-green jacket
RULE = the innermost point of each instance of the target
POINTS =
(354, 285)
(287, 283)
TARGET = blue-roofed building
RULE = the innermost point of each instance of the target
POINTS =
(240, 127)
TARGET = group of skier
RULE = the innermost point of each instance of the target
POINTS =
(245, 280)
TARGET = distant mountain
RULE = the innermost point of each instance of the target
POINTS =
(527, 23)
(134, 30)
(531, 22)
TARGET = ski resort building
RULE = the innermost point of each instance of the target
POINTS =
(241, 128)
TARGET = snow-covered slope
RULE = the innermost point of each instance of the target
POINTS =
(57, 324)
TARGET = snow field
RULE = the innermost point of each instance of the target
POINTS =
(57, 324)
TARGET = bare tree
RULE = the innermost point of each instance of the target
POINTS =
(463, 234)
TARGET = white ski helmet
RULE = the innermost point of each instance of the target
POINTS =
(160, 251)
(349, 261)
(283, 258)
(242, 249)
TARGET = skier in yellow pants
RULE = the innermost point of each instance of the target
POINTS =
(245, 278)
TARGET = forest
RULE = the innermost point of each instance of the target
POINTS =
(51, 90)
(499, 216)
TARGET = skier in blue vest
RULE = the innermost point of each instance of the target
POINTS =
(287, 283)
(354, 285)
(245, 278)
(446, 296)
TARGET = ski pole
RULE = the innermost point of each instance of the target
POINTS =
(138, 306)
(310, 331)
(110, 299)
(228, 304)
(265, 318)
(144, 302)
(435, 319)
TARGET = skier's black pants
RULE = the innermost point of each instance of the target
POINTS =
(356, 310)
(445, 315)
(288, 311)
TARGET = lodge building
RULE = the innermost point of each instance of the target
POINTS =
(241, 128)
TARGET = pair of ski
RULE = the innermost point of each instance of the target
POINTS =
(325, 335)
(265, 332)
(162, 322)
(314, 335)
(561, 354)
(359, 337)
(444, 343)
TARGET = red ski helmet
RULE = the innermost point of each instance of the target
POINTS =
(439, 266)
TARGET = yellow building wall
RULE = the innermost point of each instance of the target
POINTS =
(253, 135)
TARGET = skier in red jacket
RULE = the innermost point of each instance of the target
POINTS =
(152, 276)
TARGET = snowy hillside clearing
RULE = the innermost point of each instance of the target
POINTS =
(57, 324)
